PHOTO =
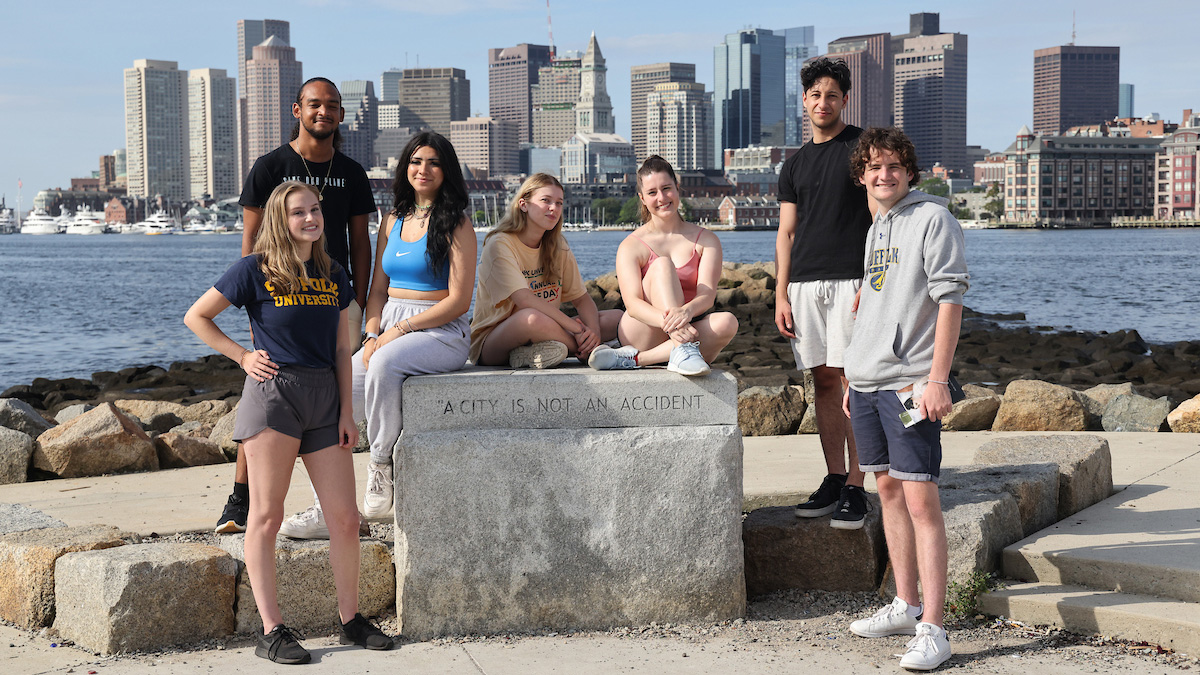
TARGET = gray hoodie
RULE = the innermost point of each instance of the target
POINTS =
(915, 261)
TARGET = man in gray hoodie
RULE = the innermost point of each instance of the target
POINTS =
(898, 366)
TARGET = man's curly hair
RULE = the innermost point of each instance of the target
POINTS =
(884, 138)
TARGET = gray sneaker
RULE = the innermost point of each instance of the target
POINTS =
(686, 360)
(607, 358)
(545, 354)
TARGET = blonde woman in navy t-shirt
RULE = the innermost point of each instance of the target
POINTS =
(420, 292)
(295, 402)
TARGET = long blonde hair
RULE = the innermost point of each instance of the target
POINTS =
(278, 256)
(516, 220)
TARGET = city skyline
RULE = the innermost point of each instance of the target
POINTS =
(67, 124)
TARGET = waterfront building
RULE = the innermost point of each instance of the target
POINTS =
(1124, 100)
(156, 129)
(512, 71)
(748, 90)
(212, 134)
(486, 144)
(536, 159)
(869, 58)
(1177, 165)
(273, 76)
(799, 46)
(749, 212)
(704, 211)
(360, 125)
(389, 84)
(251, 32)
(1074, 85)
(758, 158)
(554, 99)
(432, 98)
(678, 125)
(1078, 180)
(589, 158)
(642, 82)
(930, 105)
(990, 170)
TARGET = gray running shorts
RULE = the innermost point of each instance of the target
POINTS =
(298, 402)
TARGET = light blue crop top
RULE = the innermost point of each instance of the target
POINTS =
(406, 266)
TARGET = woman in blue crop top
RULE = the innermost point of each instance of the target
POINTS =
(420, 293)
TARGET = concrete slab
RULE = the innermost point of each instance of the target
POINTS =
(1126, 616)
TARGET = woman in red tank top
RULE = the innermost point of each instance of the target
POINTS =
(668, 271)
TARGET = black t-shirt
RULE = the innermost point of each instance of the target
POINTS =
(347, 191)
(299, 329)
(832, 217)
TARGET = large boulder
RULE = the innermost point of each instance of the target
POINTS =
(97, 442)
(157, 416)
(976, 412)
(1131, 412)
(783, 551)
(1186, 418)
(770, 411)
(20, 416)
(808, 423)
(1033, 486)
(145, 596)
(304, 581)
(1031, 405)
(1084, 465)
(222, 434)
(71, 412)
(18, 518)
(15, 450)
(28, 558)
(1096, 399)
(205, 412)
(177, 451)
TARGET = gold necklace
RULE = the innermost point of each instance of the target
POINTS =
(328, 173)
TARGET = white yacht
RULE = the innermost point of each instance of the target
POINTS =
(159, 223)
(40, 222)
(87, 221)
(8, 223)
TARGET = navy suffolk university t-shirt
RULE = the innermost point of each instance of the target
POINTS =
(295, 329)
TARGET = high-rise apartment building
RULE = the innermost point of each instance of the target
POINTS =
(108, 172)
(1125, 101)
(678, 121)
(642, 81)
(212, 134)
(799, 46)
(251, 32)
(869, 58)
(361, 122)
(156, 130)
(433, 98)
(512, 71)
(593, 113)
(748, 90)
(389, 84)
(273, 76)
(554, 99)
(487, 144)
(930, 102)
(1178, 161)
(1074, 85)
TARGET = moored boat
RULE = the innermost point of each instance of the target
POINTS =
(40, 222)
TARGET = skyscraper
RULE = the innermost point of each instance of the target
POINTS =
(931, 98)
(593, 113)
(1125, 100)
(433, 98)
(156, 130)
(212, 133)
(273, 76)
(748, 90)
(554, 99)
(678, 122)
(361, 122)
(869, 58)
(511, 73)
(642, 82)
(799, 46)
(487, 144)
(1074, 85)
(389, 84)
(251, 32)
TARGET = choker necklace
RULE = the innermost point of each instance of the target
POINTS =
(328, 172)
(418, 207)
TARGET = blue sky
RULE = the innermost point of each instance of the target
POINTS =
(61, 62)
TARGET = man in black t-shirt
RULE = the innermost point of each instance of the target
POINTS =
(823, 223)
(346, 203)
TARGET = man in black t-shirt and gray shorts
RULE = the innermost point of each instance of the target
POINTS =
(823, 223)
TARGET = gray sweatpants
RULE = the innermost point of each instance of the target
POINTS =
(377, 389)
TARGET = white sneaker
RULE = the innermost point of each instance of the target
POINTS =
(928, 650)
(545, 354)
(686, 360)
(893, 619)
(607, 358)
(308, 524)
(378, 499)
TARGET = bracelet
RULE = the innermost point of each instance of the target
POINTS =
(947, 382)
(371, 336)
(242, 358)
(411, 329)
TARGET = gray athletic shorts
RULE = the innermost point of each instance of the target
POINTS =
(298, 402)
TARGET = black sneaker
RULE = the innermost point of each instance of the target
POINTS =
(851, 510)
(361, 632)
(282, 645)
(233, 518)
(825, 499)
